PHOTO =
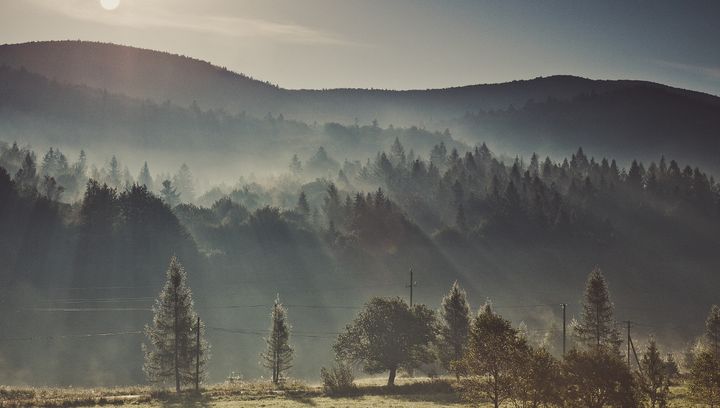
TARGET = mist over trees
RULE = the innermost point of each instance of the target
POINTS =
(471, 215)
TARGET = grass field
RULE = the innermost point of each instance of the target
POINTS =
(416, 392)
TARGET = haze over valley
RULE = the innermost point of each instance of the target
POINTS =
(158, 211)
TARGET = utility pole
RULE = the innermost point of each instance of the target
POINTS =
(564, 306)
(412, 283)
(628, 342)
(197, 357)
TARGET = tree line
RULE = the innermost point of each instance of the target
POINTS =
(490, 359)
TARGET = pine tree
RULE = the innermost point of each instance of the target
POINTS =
(454, 326)
(173, 352)
(144, 178)
(712, 329)
(597, 324)
(169, 194)
(397, 153)
(654, 383)
(183, 182)
(80, 167)
(295, 165)
(460, 220)
(303, 208)
(26, 177)
(704, 384)
(279, 355)
(113, 172)
(493, 355)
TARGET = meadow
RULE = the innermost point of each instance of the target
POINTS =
(370, 392)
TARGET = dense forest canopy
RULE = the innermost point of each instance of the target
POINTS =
(83, 241)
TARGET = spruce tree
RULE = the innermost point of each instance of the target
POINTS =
(279, 355)
(712, 329)
(113, 172)
(183, 182)
(144, 178)
(454, 327)
(173, 353)
(303, 208)
(597, 325)
(169, 194)
(295, 165)
(492, 358)
(655, 382)
(704, 384)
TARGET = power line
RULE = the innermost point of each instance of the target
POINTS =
(262, 333)
(70, 336)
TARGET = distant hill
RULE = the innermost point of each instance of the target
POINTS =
(162, 76)
(551, 115)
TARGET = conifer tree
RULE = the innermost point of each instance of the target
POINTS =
(493, 355)
(597, 325)
(303, 208)
(169, 194)
(183, 182)
(173, 353)
(295, 165)
(113, 172)
(144, 178)
(654, 383)
(279, 355)
(460, 220)
(454, 326)
(712, 329)
(704, 383)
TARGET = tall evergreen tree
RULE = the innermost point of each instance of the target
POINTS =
(303, 208)
(279, 355)
(597, 325)
(454, 327)
(183, 182)
(144, 178)
(114, 177)
(654, 383)
(26, 177)
(492, 358)
(173, 353)
(712, 329)
(704, 382)
(169, 194)
(295, 165)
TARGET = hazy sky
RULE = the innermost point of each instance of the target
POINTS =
(400, 43)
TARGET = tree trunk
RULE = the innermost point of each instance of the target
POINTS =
(391, 378)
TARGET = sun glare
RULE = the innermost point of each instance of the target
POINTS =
(109, 4)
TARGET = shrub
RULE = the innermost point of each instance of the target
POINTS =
(338, 379)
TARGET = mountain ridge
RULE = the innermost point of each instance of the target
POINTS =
(159, 75)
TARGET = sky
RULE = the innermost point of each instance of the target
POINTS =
(401, 44)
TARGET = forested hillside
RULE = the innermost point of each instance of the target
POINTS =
(125, 96)
(85, 249)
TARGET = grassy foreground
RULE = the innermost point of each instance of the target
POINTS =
(418, 392)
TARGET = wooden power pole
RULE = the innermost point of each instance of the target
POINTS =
(197, 357)
(564, 306)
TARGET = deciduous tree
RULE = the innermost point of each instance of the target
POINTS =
(388, 335)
